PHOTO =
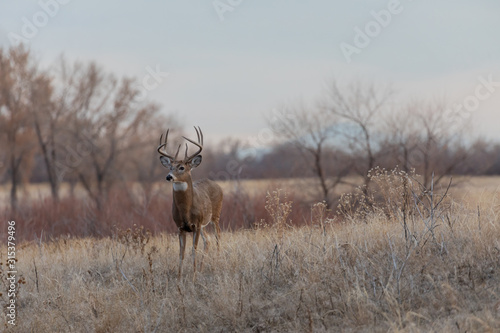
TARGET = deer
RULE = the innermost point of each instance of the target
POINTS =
(195, 204)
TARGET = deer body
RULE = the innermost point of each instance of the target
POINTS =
(185, 214)
(196, 204)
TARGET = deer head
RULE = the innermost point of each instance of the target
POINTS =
(180, 170)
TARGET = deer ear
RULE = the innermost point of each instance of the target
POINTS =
(196, 161)
(167, 162)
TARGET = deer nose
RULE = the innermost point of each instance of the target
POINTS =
(169, 178)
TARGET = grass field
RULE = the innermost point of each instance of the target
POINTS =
(423, 267)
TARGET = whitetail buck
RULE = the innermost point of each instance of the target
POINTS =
(196, 204)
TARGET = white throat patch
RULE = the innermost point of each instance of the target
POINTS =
(180, 186)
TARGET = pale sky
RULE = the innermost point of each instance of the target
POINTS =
(230, 62)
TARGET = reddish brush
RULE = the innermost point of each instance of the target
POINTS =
(78, 217)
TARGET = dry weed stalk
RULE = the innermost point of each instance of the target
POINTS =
(319, 215)
(279, 209)
(135, 238)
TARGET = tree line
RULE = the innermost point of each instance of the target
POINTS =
(78, 124)
(356, 127)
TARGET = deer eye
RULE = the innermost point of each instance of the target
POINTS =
(181, 168)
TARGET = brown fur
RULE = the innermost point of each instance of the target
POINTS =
(196, 204)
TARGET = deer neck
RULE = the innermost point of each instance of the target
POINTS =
(183, 195)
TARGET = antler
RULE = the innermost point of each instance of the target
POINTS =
(199, 144)
(187, 158)
(164, 145)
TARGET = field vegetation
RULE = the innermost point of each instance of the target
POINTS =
(414, 261)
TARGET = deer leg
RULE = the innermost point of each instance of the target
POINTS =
(182, 247)
(205, 244)
(217, 234)
(196, 238)
(215, 221)
(204, 248)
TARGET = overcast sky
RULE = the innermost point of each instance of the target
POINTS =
(230, 62)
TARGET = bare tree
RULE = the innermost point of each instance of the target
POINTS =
(46, 115)
(105, 126)
(311, 131)
(402, 138)
(359, 108)
(419, 136)
(18, 71)
(441, 151)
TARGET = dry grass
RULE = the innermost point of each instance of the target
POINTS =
(363, 275)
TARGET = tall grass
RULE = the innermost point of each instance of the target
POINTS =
(409, 266)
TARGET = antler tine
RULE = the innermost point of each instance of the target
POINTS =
(199, 144)
(201, 135)
(177, 153)
(197, 133)
(166, 137)
(164, 145)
